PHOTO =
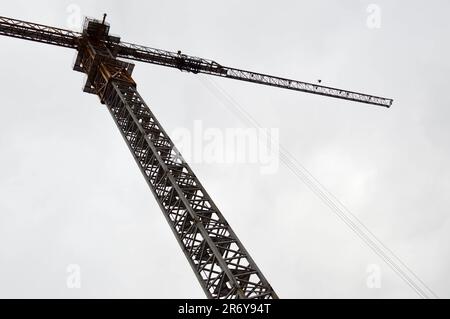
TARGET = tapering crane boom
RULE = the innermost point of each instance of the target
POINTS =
(221, 263)
(67, 38)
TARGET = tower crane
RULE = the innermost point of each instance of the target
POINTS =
(220, 261)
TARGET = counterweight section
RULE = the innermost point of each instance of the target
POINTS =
(220, 261)
(38, 32)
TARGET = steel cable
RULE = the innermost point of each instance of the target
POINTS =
(337, 207)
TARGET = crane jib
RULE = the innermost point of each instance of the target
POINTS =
(183, 62)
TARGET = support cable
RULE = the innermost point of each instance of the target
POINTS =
(336, 206)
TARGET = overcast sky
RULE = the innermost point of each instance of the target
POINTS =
(70, 192)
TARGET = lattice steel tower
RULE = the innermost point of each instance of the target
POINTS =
(222, 265)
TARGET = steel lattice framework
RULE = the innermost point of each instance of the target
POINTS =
(221, 263)
(70, 39)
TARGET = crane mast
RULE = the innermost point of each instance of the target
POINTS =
(221, 263)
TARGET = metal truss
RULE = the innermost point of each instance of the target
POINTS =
(199, 65)
(221, 263)
(38, 32)
(183, 62)
(219, 260)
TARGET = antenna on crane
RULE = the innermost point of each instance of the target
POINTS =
(104, 18)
